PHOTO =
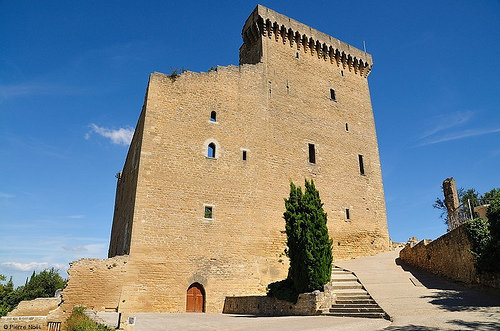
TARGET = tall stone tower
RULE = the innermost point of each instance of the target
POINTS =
(199, 202)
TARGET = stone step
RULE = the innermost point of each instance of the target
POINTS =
(343, 277)
(352, 298)
(362, 315)
(354, 292)
(371, 304)
(336, 309)
(355, 301)
(346, 285)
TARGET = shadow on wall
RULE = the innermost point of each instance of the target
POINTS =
(452, 296)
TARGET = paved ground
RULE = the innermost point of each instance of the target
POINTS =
(419, 301)
(415, 301)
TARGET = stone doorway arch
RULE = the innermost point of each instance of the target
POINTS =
(195, 298)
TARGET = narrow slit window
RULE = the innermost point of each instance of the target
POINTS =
(361, 164)
(211, 150)
(332, 94)
(244, 155)
(208, 212)
(347, 127)
(312, 153)
(213, 116)
(347, 214)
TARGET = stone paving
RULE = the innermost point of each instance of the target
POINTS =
(415, 300)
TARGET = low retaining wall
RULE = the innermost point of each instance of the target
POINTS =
(448, 256)
(307, 304)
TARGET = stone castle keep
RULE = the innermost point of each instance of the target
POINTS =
(199, 203)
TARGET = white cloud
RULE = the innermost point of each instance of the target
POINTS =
(460, 135)
(78, 248)
(447, 121)
(6, 195)
(453, 126)
(121, 136)
(33, 266)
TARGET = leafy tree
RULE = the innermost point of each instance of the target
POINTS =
(42, 285)
(309, 245)
(484, 236)
(469, 197)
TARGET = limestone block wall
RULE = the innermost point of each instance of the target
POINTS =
(269, 111)
(95, 283)
(448, 256)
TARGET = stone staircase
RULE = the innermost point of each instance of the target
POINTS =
(352, 298)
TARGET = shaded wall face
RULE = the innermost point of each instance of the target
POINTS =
(126, 187)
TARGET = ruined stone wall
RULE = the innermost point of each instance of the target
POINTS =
(448, 256)
(35, 307)
(272, 111)
(95, 283)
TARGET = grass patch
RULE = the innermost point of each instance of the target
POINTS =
(79, 321)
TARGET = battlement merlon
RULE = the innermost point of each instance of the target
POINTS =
(266, 22)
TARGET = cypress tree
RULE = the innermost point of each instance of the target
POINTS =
(309, 245)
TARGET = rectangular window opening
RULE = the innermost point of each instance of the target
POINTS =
(244, 155)
(361, 164)
(332, 94)
(208, 212)
(347, 214)
(312, 153)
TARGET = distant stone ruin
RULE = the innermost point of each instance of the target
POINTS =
(452, 203)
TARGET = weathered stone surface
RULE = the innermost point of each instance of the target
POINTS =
(448, 256)
(452, 203)
(287, 94)
(36, 307)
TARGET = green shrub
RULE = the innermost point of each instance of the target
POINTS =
(283, 290)
(79, 321)
(484, 236)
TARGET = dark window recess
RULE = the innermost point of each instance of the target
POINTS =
(332, 94)
(213, 116)
(361, 165)
(312, 153)
(297, 55)
(211, 150)
(244, 155)
(208, 212)
(342, 73)
(347, 215)
(347, 127)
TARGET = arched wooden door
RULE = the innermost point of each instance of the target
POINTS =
(195, 299)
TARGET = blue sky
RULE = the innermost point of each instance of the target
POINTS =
(73, 77)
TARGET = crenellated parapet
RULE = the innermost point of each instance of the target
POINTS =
(266, 23)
